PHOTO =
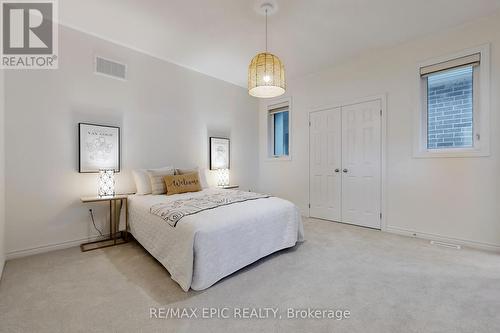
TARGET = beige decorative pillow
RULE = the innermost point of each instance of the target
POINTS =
(189, 182)
(156, 177)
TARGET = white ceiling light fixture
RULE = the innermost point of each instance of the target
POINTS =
(266, 73)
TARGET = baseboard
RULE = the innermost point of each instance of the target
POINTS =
(51, 247)
(435, 237)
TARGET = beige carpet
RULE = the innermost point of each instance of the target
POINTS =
(388, 283)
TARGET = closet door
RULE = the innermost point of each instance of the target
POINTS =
(325, 164)
(361, 164)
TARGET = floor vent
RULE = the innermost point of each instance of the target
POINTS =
(110, 68)
(448, 245)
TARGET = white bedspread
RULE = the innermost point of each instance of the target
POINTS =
(205, 247)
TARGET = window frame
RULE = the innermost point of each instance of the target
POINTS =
(480, 112)
(270, 130)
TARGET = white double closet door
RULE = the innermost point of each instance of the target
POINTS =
(345, 164)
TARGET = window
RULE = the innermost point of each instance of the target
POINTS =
(454, 106)
(279, 131)
(280, 123)
(450, 108)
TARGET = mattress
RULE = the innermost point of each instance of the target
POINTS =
(205, 247)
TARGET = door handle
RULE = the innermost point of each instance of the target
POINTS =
(337, 170)
(345, 170)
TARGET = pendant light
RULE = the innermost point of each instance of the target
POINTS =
(266, 73)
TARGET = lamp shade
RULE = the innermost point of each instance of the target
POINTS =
(106, 182)
(266, 76)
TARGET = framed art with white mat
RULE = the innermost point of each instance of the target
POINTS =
(219, 153)
(98, 148)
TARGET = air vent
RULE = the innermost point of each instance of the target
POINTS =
(449, 245)
(110, 68)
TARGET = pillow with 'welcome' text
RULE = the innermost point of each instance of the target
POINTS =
(189, 182)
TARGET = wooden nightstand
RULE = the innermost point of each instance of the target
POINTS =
(230, 187)
(116, 237)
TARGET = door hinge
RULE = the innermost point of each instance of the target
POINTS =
(381, 216)
(380, 111)
(309, 205)
(309, 124)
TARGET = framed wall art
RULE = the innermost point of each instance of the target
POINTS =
(219, 153)
(99, 148)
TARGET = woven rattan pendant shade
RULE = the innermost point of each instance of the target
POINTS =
(266, 76)
(266, 73)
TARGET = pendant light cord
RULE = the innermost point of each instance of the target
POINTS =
(266, 30)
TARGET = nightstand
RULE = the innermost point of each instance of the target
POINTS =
(229, 187)
(115, 236)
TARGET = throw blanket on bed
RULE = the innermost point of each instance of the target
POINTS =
(175, 210)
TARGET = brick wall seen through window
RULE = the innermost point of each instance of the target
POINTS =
(450, 109)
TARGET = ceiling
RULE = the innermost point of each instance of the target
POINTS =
(219, 37)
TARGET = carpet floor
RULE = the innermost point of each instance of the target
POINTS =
(387, 282)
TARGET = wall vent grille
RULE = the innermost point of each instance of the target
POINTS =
(110, 68)
(444, 244)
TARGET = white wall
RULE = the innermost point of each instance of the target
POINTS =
(166, 113)
(456, 197)
(2, 174)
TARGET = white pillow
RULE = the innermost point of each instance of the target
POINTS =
(142, 182)
(201, 174)
(157, 181)
(203, 177)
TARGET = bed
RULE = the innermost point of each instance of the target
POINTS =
(206, 246)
